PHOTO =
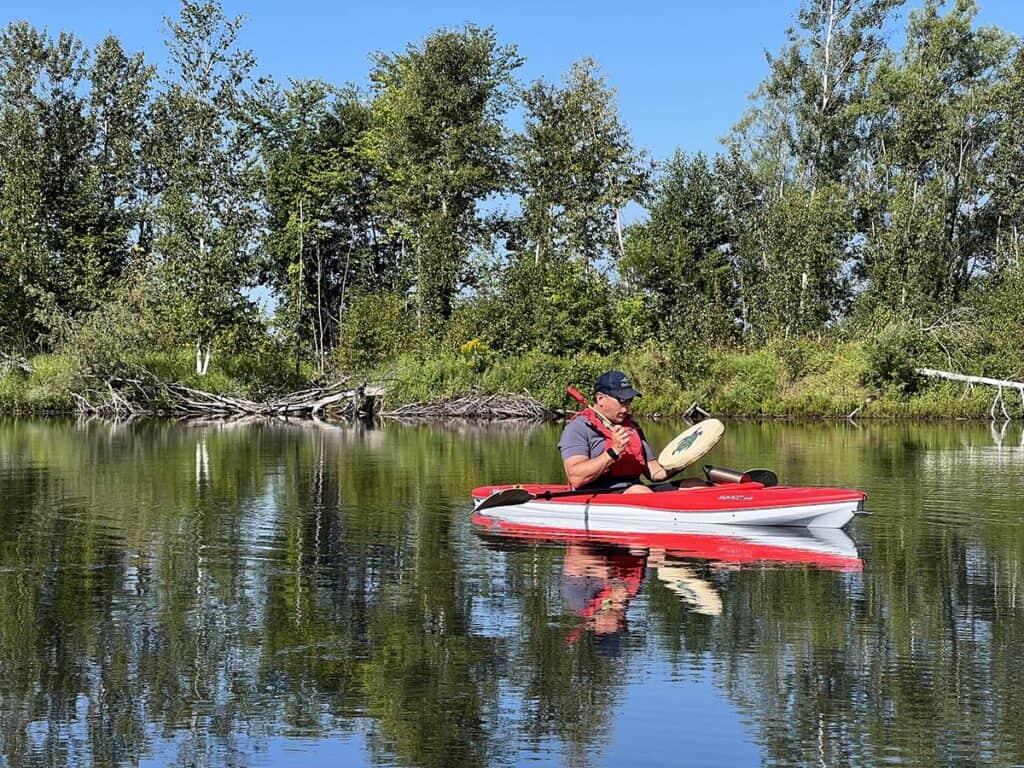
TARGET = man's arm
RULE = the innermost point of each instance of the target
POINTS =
(582, 470)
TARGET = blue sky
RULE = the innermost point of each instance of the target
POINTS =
(683, 70)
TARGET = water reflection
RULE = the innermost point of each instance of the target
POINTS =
(598, 582)
(602, 574)
(211, 595)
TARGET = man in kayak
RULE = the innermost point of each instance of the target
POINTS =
(602, 448)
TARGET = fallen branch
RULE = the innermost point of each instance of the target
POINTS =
(695, 411)
(999, 384)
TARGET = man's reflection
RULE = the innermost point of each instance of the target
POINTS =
(600, 580)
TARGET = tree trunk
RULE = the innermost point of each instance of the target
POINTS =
(298, 297)
(618, 232)
(202, 357)
(321, 355)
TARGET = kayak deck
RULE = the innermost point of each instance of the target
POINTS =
(729, 504)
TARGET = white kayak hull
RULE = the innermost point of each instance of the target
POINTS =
(612, 518)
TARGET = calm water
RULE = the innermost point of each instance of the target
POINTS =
(275, 595)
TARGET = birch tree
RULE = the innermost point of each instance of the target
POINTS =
(577, 169)
(802, 139)
(207, 215)
(934, 119)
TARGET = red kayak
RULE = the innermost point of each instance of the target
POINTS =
(557, 507)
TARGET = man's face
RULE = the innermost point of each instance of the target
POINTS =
(612, 408)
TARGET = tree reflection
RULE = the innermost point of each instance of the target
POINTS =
(196, 593)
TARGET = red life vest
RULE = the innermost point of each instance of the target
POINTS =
(632, 462)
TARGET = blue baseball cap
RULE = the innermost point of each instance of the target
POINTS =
(616, 384)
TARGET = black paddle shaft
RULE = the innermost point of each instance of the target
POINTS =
(512, 496)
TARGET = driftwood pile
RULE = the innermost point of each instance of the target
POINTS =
(475, 406)
(121, 398)
(126, 397)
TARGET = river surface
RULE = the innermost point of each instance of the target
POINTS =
(275, 595)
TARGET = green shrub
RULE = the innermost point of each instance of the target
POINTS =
(747, 384)
(546, 377)
(375, 328)
(891, 356)
(47, 389)
(413, 378)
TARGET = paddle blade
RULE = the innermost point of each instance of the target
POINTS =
(506, 498)
(689, 446)
(765, 477)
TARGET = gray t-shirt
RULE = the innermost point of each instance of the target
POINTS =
(580, 438)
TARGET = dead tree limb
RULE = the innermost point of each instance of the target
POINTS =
(695, 412)
(999, 384)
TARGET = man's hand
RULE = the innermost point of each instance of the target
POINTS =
(620, 438)
(658, 473)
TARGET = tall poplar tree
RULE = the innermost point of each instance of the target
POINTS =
(23, 51)
(325, 243)
(71, 127)
(934, 117)
(440, 145)
(577, 169)
(207, 217)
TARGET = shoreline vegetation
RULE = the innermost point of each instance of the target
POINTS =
(801, 380)
(201, 238)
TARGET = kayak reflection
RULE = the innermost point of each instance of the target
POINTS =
(601, 574)
(825, 548)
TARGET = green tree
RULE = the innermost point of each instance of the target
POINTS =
(1007, 171)
(934, 119)
(119, 102)
(576, 169)
(23, 51)
(206, 220)
(680, 256)
(804, 240)
(71, 129)
(801, 139)
(802, 123)
(325, 242)
(440, 146)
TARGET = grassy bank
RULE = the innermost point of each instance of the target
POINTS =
(48, 386)
(798, 379)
